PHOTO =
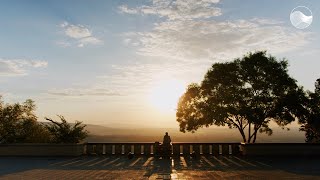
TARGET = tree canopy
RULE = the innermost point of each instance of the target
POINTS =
(246, 93)
(18, 123)
(311, 121)
(64, 132)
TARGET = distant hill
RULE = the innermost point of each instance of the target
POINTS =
(100, 133)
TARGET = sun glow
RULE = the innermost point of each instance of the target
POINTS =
(165, 94)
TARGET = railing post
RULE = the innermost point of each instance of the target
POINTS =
(215, 149)
(225, 149)
(108, 149)
(118, 149)
(99, 149)
(186, 149)
(196, 149)
(155, 149)
(90, 149)
(176, 149)
(137, 149)
(147, 149)
(205, 149)
(127, 148)
(235, 149)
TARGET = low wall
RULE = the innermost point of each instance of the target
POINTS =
(41, 149)
(280, 149)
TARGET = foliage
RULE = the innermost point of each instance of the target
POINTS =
(311, 125)
(18, 123)
(63, 132)
(246, 94)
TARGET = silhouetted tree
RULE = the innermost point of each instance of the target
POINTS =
(18, 123)
(246, 94)
(311, 123)
(63, 132)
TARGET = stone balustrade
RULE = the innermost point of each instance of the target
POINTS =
(148, 148)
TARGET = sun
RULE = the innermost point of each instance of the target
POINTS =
(165, 94)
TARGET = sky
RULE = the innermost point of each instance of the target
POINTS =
(125, 63)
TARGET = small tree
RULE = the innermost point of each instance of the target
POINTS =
(63, 132)
(245, 94)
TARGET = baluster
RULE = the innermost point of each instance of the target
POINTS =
(225, 149)
(206, 149)
(196, 149)
(108, 149)
(235, 149)
(176, 149)
(118, 149)
(127, 148)
(137, 149)
(147, 149)
(215, 149)
(186, 149)
(90, 149)
(99, 149)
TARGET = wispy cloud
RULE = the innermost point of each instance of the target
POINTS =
(190, 32)
(19, 67)
(177, 9)
(78, 92)
(80, 34)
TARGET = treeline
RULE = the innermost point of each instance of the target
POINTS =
(18, 124)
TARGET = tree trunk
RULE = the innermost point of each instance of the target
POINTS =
(254, 137)
(249, 133)
(243, 135)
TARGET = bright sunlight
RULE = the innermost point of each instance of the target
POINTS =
(165, 94)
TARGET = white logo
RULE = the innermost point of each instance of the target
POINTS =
(301, 17)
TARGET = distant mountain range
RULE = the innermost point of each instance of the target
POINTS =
(100, 133)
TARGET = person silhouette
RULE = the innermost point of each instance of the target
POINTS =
(166, 139)
(166, 145)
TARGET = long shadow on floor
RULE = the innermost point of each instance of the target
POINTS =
(163, 167)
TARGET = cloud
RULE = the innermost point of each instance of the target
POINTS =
(214, 40)
(78, 92)
(177, 9)
(80, 34)
(13, 67)
(187, 38)
(190, 32)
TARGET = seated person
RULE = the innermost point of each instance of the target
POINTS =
(166, 140)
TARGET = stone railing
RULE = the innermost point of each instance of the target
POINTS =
(148, 148)
(41, 149)
(280, 149)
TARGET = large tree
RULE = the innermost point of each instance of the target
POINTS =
(246, 93)
(311, 120)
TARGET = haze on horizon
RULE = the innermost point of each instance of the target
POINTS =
(125, 63)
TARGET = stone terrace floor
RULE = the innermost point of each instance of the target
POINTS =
(119, 167)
